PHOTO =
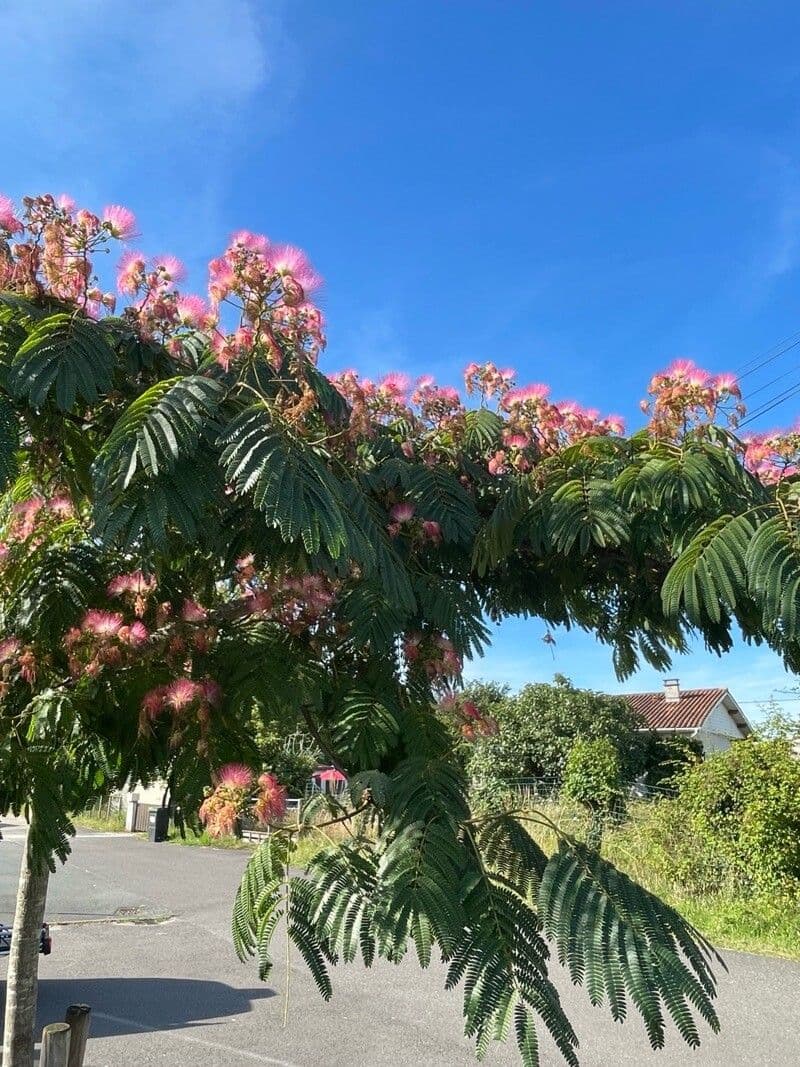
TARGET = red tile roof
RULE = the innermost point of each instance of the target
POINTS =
(687, 713)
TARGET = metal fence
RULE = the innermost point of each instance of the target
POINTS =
(533, 789)
(107, 807)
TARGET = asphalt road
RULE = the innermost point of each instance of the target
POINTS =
(168, 990)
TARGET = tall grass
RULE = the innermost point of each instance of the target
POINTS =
(650, 845)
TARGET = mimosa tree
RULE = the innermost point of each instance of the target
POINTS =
(197, 521)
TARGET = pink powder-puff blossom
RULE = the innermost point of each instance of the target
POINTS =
(8, 220)
(288, 260)
(395, 385)
(402, 513)
(9, 649)
(181, 693)
(253, 242)
(524, 393)
(517, 440)
(727, 383)
(130, 273)
(193, 612)
(235, 776)
(102, 623)
(137, 634)
(211, 691)
(119, 221)
(432, 530)
(191, 310)
(270, 803)
(170, 267)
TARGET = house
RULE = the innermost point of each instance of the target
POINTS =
(327, 780)
(711, 716)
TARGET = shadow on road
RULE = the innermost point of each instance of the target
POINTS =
(131, 1005)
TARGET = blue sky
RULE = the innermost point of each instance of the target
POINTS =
(584, 191)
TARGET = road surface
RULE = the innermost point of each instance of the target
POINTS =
(167, 989)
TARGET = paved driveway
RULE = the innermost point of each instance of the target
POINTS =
(172, 993)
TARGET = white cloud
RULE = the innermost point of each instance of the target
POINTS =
(103, 89)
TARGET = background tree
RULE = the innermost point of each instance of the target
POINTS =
(664, 759)
(593, 775)
(198, 520)
(539, 726)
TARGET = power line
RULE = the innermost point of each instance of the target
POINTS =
(770, 356)
(772, 381)
(774, 402)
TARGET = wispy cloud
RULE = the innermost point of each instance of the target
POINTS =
(150, 101)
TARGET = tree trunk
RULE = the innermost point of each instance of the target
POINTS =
(23, 964)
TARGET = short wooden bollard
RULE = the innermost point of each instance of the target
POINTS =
(78, 1017)
(55, 1045)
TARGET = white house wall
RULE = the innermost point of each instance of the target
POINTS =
(718, 731)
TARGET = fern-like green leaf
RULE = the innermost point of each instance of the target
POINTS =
(619, 940)
(289, 483)
(66, 356)
(711, 571)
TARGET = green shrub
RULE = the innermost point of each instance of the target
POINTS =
(539, 726)
(593, 775)
(743, 806)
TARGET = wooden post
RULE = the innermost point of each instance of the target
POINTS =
(55, 1045)
(78, 1017)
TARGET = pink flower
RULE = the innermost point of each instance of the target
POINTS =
(271, 801)
(402, 513)
(221, 279)
(193, 612)
(517, 440)
(9, 648)
(102, 623)
(181, 693)
(65, 203)
(253, 242)
(170, 267)
(130, 273)
(615, 423)
(153, 701)
(235, 775)
(497, 463)
(411, 647)
(212, 691)
(425, 381)
(191, 310)
(727, 383)
(8, 220)
(395, 385)
(137, 633)
(61, 506)
(135, 582)
(119, 221)
(286, 259)
(520, 395)
(432, 530)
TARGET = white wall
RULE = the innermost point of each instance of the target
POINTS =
(719, 731)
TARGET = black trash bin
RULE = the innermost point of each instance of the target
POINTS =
(158, 824)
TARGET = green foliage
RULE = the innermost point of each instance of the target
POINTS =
(665, 758)
(64, 355)
(539, 726)
(742, 807)
(617, 939)
(380, 892)
(288, 482)
(593, 774)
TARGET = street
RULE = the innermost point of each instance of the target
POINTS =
(141, 933)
